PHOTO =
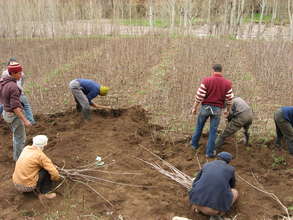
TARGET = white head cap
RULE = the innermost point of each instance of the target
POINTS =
(40, 141)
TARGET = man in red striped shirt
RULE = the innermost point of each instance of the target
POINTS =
(212, 94)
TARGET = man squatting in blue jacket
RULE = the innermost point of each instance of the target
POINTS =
(212, 191)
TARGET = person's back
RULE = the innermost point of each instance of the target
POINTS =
(10, 94)
(217, 88)
(27, 166)
(34, 171)
(84, 91)
(212, 191)
(239, 105)
(89, 86)
(284, 126)
(288, 113)
(240, 116)
(212, 94)
(213, 188)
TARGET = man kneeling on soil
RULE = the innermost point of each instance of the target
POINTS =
(240, 116)
(213, 190)
(284, 126)
(83, 91)
(34, 171)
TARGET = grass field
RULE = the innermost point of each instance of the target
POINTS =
(159, 73)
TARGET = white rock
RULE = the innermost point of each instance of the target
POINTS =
(180, 218)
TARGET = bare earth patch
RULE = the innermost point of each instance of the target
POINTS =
(116, 136)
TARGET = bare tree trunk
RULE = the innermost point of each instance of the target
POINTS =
(186, 16)
(290, 19)
(263, 6)
(239, 17)
(225, 24)
(233, 17)
(151, 13)
(173, 14)
(172, 6)
(209, 16)
(274, 13)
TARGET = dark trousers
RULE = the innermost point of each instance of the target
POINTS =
(283, 128)
(44, 184)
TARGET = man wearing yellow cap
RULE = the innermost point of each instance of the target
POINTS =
(84, 91)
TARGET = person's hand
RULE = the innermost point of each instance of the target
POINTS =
(27, 123)
(193, 110)
(226, 114)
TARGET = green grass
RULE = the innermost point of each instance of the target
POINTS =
(157, 22)
(278, 161)
(256, 18)
(144, 22)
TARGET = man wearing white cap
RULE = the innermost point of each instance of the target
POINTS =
(34, 171)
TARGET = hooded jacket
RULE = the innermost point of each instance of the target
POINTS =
(9, 94)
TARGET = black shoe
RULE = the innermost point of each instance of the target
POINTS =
(216, 217)
(78, 107)
(278, 143)
(246, 138)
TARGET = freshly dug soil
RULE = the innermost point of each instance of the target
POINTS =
(118, 136)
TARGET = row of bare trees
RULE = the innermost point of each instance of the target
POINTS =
(29, 18)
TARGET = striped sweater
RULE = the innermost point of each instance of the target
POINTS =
(215, 90)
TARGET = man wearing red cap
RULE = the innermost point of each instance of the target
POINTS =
(27, 109)
(13, 110)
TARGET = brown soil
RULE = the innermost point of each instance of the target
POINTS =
(117, 137)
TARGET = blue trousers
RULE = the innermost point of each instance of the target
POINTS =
(214, 113)
(26, 107)
(18, 131)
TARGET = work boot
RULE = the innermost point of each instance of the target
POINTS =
(290, 147)
(47, 196)
(86, 114)
(278, 142)
(219, 142)
(246, 138)
(78, 107)
(216, 217)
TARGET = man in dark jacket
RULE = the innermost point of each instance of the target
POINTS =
(213, 190)
(284, 126)
(84, 91)
(13, 109)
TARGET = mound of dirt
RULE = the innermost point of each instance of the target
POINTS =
(118, 136)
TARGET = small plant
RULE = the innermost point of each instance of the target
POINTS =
(28, 213)
(54, 215)
(278, 161)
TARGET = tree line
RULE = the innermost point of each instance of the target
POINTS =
(227, 15)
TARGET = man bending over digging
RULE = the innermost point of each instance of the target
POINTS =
(34, 171)
(83, 91)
